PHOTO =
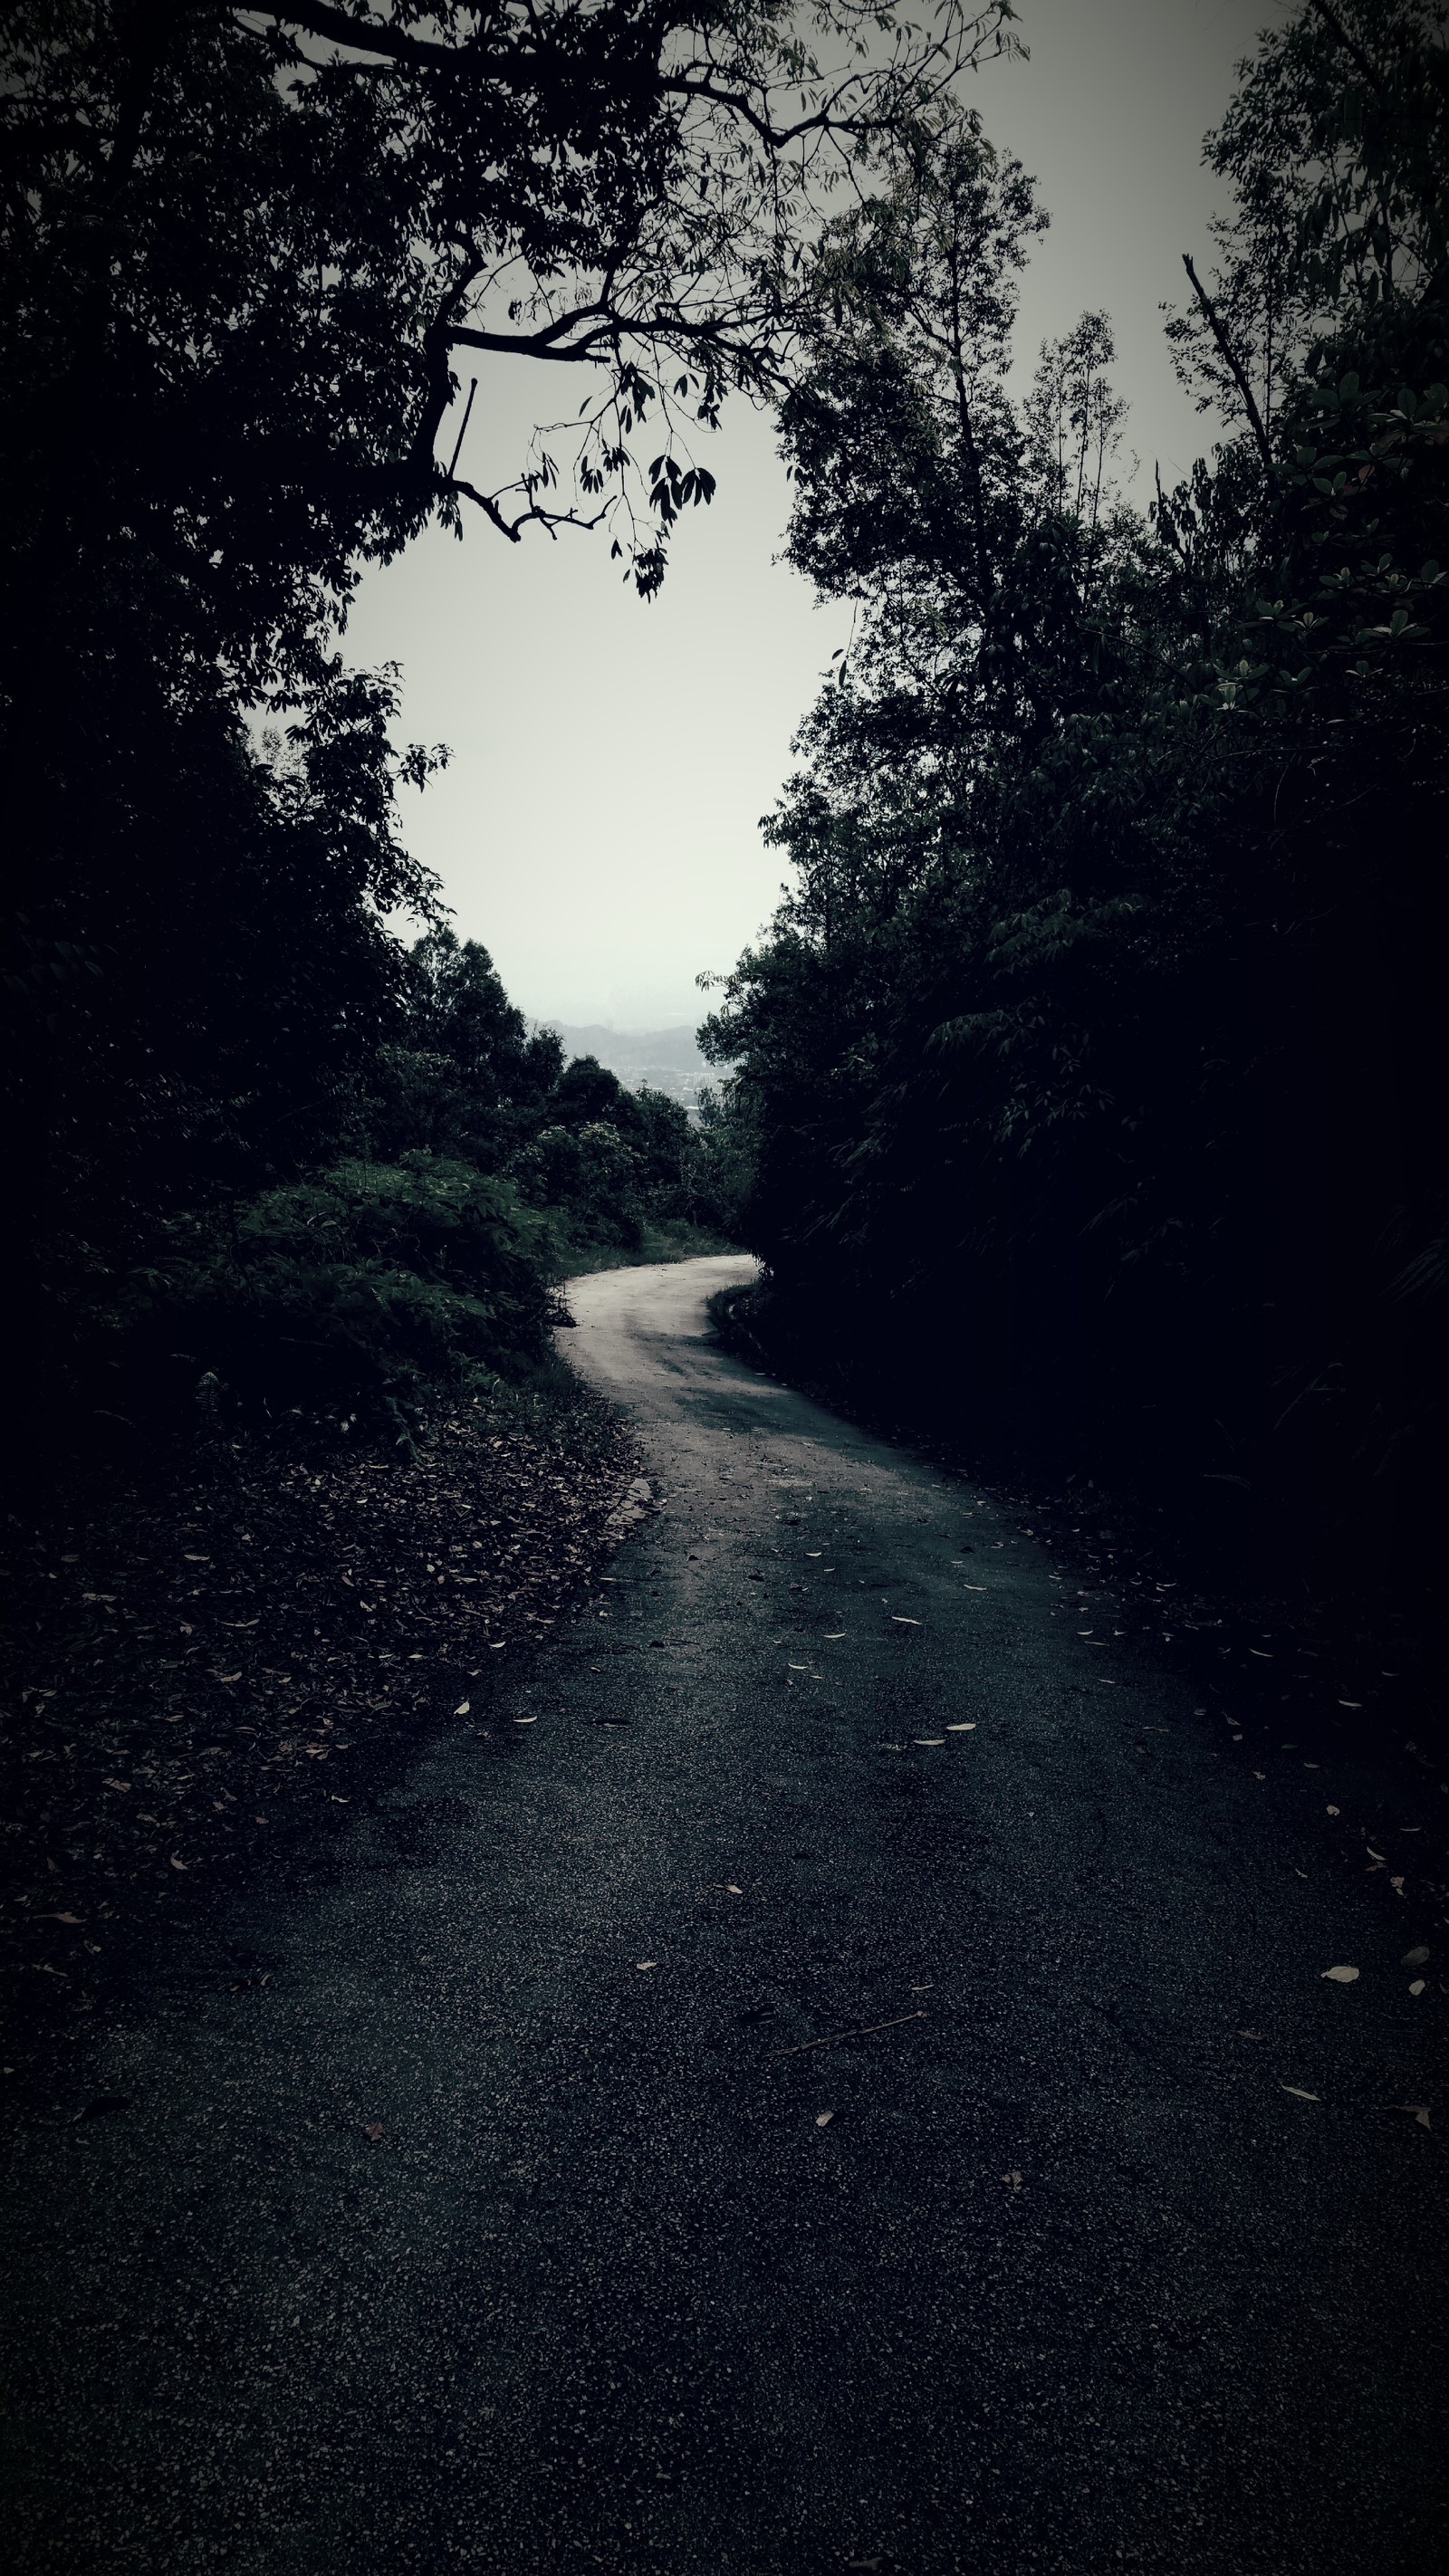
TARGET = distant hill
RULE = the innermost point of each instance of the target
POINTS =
(667, 1059)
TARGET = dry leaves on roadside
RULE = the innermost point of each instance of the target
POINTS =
(367, 1584)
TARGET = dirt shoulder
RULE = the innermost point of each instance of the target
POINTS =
(197, 1678)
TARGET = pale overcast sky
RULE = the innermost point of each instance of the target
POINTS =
(599, 827)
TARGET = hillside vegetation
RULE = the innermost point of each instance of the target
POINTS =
(254, 1144)
(1093, 1072)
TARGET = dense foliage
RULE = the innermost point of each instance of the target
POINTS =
(1094, 1068)
(478, 1169)
(241, 253)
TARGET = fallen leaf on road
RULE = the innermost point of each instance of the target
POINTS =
(373, 2130)
(58, 1918)
(1420, 2112)
(646, 1963)
(962, 1726)
(973, 1587)
(1350, 1703)
(463, 1707)
(525, 1721)
(1342, 1976)
(898, 1622)
(928, 1739)
(1418, 1986)
(1417, 1957)
(1332, 1811)
(179, 1864)
(1298, 2093)
(823, 2119)
(834, 1637)
(731, 1889)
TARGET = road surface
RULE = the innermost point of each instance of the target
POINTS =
(1049, 2271)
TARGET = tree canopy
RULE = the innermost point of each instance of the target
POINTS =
(1098, 1040)
(247, 252)
(248, 247)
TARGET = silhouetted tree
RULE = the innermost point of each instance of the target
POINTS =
(246, 251)
(1094, 1068)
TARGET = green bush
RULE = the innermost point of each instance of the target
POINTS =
(590, 1180)
(366, 1285)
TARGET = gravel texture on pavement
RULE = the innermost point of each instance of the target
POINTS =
(512, 2195)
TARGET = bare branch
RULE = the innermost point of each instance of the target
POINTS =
(825, 120)
(513, 528)
(549, 341)
(1230, 359)
(362, 35)
(610, 326)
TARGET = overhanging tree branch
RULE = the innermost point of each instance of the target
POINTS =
(371, 36)
(824, 121)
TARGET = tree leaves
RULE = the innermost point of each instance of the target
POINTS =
(1035, 1053)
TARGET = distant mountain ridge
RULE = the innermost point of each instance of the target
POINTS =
(667, 1059)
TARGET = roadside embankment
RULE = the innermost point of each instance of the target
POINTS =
(196, 1678)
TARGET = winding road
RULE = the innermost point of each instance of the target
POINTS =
(1106, 2244)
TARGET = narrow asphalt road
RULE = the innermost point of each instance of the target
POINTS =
(1049, 2271)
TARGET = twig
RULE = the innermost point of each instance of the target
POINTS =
(865, 2032)
(463, 432)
